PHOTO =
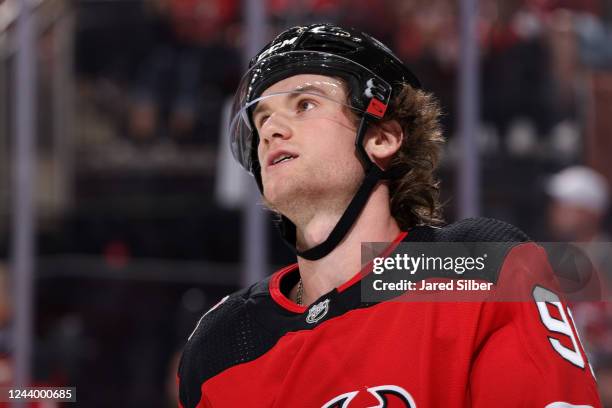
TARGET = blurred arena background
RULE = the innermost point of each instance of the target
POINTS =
(140, 224)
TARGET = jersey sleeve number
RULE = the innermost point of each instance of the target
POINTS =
(561, 326)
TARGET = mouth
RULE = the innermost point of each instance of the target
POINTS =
(281, 157)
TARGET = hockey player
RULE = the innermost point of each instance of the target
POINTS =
(343, 142)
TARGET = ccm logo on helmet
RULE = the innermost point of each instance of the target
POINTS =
(381, 393)
(276, 47)
(323, 29)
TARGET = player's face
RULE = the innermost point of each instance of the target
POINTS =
(306, 141)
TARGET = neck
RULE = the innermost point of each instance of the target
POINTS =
(375, 224)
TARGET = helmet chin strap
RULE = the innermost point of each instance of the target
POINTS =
(373, 174)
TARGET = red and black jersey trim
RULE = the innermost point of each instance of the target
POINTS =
(285, 279)
(250, 322)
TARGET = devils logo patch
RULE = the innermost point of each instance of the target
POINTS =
(388, 396)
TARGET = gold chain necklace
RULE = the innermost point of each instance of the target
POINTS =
(300, 293)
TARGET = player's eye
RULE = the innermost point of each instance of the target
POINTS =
(261, 120)
(304, 105)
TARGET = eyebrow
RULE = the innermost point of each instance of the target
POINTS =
(292, 95)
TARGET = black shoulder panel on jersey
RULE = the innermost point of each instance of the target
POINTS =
(224, 337)
(481, 235)
(469, 230)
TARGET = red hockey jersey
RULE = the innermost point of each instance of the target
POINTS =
(257, 348)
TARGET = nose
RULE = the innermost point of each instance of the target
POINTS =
(275, 127)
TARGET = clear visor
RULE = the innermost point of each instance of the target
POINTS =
(295, 99)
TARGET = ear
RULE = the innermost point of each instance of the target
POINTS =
(382, 141)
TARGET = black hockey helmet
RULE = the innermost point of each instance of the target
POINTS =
(372, 72)
(374, 75)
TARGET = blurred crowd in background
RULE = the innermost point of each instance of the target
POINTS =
(134, 240)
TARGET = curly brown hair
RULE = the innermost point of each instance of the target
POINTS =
(415, 191)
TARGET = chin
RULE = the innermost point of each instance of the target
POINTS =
(286, 194)
(278, 193)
